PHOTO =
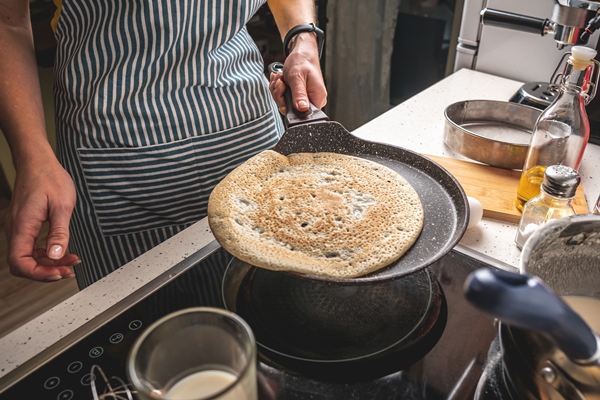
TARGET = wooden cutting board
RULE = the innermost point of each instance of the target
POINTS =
(495, 188)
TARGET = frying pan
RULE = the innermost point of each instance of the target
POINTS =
(340, 329)
(337, 332)
(445, 205)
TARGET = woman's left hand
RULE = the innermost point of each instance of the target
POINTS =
(302, 73)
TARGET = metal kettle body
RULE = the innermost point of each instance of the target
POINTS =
(565, 255)
(538, 370)
(548, 349)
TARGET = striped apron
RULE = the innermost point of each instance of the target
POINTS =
(156, 101)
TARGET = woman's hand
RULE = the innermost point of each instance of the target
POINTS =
(42, 193)
(302, 73)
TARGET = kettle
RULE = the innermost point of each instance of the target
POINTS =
(548, 351)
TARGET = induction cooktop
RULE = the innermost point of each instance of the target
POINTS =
(90, 363)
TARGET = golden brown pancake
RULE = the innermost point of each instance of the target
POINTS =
(323, 214)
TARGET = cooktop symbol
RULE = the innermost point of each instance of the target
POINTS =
(116, 338)
(96, 352)
(135, 325)
(88, 379)
(65, 395)
(52, 382)
(75, 366)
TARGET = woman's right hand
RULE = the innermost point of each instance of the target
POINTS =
(302, 73)
(41, 193)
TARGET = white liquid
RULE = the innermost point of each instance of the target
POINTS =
(204, 384)
(588, 308)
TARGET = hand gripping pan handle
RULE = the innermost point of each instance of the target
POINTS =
(525, 302)
(443, 199)
(294, 117)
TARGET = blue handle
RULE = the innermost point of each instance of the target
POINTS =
(525, 302)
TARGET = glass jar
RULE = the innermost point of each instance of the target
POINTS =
(554, 201)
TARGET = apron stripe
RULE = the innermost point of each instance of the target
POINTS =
(156, 101)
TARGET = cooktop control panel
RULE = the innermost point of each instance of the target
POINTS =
(97, 361)
(99, 358)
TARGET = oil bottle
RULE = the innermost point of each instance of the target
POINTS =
(554, 201)
(561, 132)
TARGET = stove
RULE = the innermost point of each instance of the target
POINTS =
(92, 359)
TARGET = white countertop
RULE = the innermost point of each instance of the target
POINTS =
(416, 124)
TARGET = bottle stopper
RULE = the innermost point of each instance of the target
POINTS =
(581, 56)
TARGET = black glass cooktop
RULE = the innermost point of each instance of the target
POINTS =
(450, 370)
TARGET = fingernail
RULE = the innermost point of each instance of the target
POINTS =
(302, 104)
(74, 263)
(282, 110)
(55, 252)
(69, 276)
(278, 84)
(54, 278)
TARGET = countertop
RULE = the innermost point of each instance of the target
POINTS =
(417, 124)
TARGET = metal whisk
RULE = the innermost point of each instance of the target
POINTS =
(115, 388)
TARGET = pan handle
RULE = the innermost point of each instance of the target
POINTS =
(294, 117)
(525, 302)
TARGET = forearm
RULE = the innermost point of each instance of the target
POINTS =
(21, 110)
(301, 70)
(289, 13)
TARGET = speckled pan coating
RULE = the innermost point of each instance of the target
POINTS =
(444, 201)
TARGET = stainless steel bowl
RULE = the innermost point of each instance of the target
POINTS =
(492, 132)
(564, 254)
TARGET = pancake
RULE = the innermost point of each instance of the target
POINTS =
(324, 214)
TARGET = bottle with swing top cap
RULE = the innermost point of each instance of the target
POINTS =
(562, 130)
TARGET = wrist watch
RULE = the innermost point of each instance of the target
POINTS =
(290, 37)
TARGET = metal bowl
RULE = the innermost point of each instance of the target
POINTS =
(492, 132)
(564, 254)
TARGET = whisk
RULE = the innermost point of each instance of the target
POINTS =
(115, 388)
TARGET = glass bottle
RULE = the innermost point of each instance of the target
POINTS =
(562, 130)
(554, 201)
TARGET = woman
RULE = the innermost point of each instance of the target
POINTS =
(156, 101)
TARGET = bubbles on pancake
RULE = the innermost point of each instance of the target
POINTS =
(320, 213)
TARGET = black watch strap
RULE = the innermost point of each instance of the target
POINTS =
(300, 29)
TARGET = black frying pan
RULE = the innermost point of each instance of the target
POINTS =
(444, 201)
(337, 332)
